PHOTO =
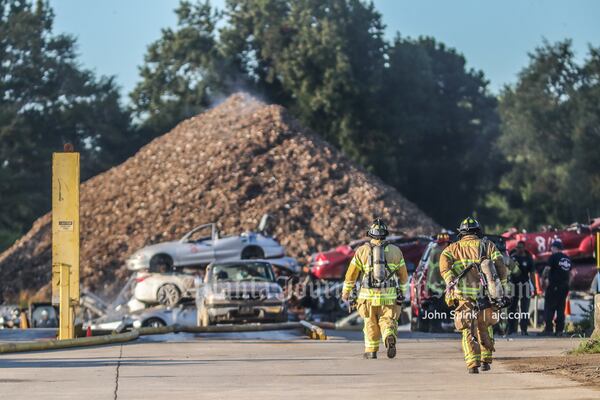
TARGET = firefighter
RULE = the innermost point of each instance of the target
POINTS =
(435, 283)
(384, 279)
(558, 273)
(471, 317)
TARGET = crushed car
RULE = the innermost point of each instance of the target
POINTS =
(167, 289)
(204, 245)
(10, 315)
(240, 291)
(185, 314)
(332, 264)
(578, 240)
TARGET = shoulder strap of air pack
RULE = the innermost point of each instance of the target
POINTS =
(482, 249)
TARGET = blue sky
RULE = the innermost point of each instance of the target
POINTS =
(494, 36)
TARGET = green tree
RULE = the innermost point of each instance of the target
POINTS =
(47, 100)
(321, 59)
(440, 126)
(182, 72)
(549, 135)
(252, 41)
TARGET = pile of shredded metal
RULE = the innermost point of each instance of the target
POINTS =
(228, 165)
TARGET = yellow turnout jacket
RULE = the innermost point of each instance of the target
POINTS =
(458, 255)
(360, 266)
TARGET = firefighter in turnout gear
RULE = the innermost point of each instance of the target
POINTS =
(383, 280)
(475, 277)
(435, 283)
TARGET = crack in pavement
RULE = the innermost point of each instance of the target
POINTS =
(116, 393)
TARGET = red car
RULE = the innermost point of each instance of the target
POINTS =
(332, 264)
(578, 241)
(421, 300)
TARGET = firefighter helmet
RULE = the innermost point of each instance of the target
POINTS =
(469, 226)
(442, 238)
(378, 230)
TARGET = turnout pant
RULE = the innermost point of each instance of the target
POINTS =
(554, 303)
(477, 332)
(379, 322)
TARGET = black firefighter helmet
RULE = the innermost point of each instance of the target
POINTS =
(378, 230)
(469, 226)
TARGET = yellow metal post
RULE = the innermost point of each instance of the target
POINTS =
(65, 237)
(65, 330)
(598, 262)
(597, 296)
(598, 250)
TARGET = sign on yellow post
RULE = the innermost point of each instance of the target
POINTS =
(65, 222)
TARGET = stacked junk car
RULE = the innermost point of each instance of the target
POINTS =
(202, 279)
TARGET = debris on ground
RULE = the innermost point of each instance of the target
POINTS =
(230, 165)
(583, 368)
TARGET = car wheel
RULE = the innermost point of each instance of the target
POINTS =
(252, 252)
(161, 263)
(204, 318)
(168, 295)
(154, 323)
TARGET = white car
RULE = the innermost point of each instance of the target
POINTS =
(164, 288)
(184, 314)
(203, 245)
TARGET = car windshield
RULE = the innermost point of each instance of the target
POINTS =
(202, 233)
(242, 272)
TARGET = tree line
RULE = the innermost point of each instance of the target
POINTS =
(408, 110)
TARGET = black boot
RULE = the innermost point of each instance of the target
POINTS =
(486, 366)
(390, 343)
(370, 355)
(474, 370)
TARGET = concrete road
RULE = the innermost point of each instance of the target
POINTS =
(279, 365)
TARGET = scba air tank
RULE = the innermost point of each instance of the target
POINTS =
(488, 269)
(378, 264)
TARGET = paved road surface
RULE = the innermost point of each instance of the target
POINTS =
(278, 365)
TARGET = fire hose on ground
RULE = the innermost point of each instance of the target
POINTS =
(312, 331)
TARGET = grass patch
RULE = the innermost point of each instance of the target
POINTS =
(590, 346)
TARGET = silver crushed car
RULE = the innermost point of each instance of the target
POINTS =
(167, 289)
(185, 315)
(240, 291)
(203, 245)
